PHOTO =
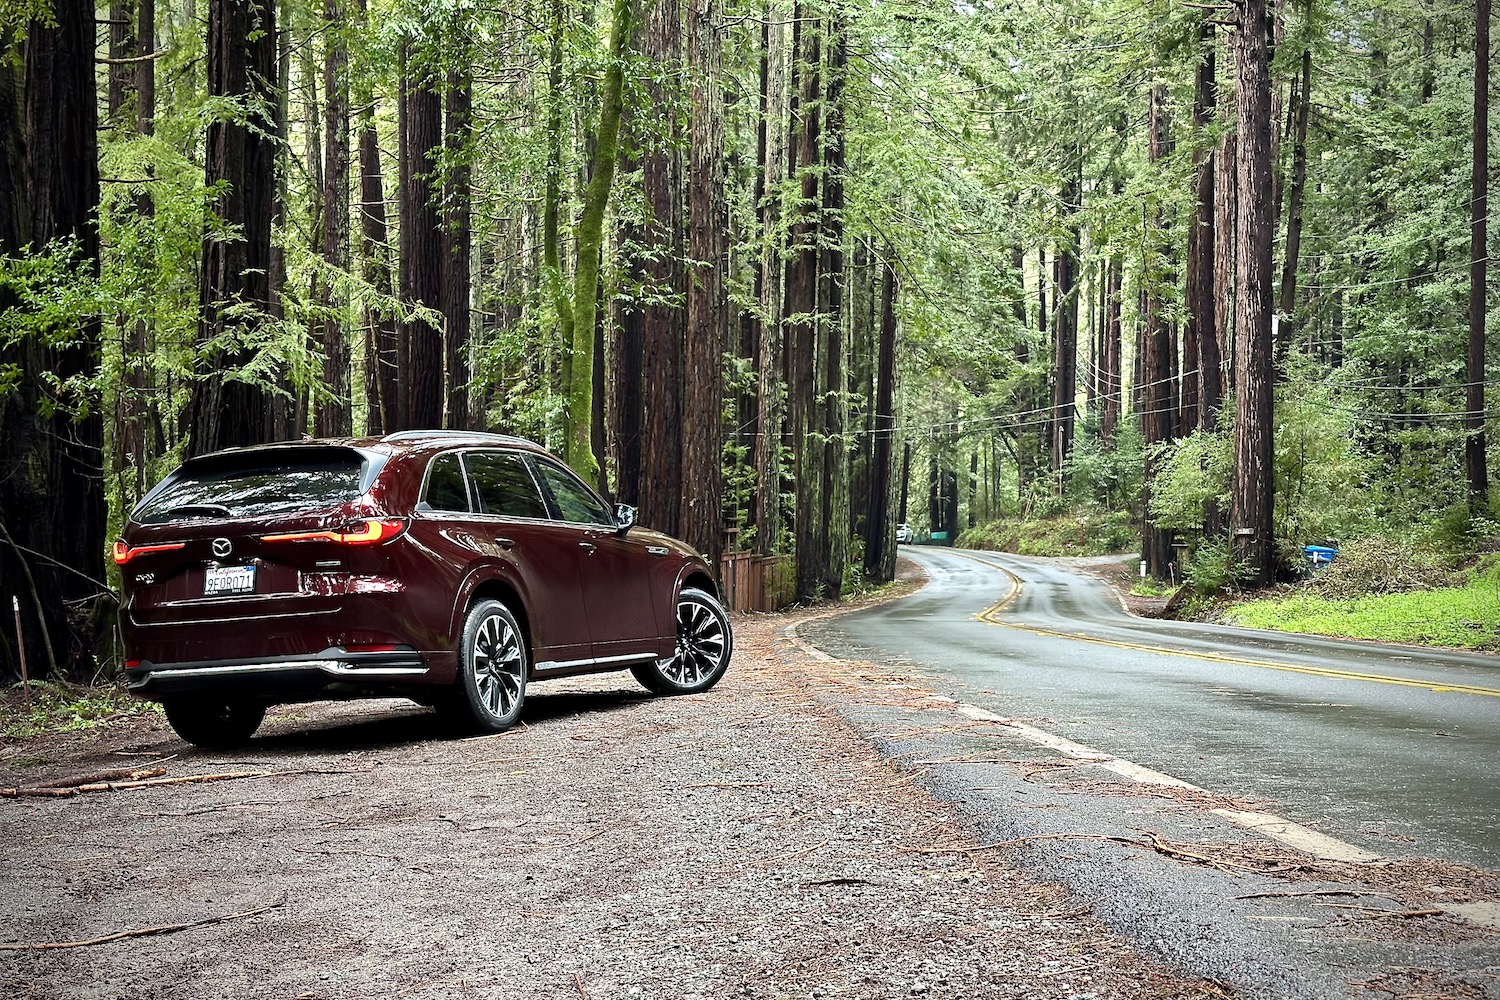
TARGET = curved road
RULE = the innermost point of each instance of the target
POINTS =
(1392, 748)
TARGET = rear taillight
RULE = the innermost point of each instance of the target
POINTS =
(124, 553)
(132, 664)
(371, 532)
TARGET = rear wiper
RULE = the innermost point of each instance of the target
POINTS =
(196, 509)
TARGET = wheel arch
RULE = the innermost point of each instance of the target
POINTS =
(490, 584)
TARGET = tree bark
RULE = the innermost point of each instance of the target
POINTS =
(660, 271)
(1253, 485)
(457, 250)
(579, 403)
(1158, 421)
(771, 395)
(52, 506)
(707, 302)
(880, 533)
(1474, 438)
(1065, 338)
(381, 338)
(1288, 304)
(424, 243)
(334, 413)
(802, 318)
(234, 289)
(1202, 333)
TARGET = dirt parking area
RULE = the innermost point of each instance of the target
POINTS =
(741, 843)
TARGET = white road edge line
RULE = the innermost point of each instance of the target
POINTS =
(1273, 827)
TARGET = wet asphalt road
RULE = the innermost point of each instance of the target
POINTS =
(1392, 748)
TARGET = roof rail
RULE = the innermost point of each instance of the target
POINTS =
(419, 435)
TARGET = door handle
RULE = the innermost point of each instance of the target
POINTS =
(506, 543)
(587, 547)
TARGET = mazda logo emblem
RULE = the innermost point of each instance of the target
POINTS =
(222, 547)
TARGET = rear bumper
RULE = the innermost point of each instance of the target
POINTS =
(281, 678)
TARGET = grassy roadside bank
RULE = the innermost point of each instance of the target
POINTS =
(1465, 617)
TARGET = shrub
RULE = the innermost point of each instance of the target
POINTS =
(1382, 564)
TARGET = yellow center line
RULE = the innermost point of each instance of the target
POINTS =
(989, 616)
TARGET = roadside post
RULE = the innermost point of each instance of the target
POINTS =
(15, 605)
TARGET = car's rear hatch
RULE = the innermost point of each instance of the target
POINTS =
(234, 537)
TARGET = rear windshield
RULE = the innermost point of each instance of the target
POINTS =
(256, 485)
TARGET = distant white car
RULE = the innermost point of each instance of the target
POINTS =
(904, 534)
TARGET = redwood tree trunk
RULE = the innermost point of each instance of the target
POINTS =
(880, 533)
(1202, 333)
(1157, 405)
(661, 271)
(52, 508)
(424, 244)
(241, 164)
(1253, 485)
(333, 415)
(1065, 341)
(457, 249)
(801, 311)
(1474, 442)
(1288, 304)
(707, 305)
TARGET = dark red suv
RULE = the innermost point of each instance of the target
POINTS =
(446, 567)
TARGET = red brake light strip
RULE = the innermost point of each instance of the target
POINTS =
(124, 553)
(371, 532)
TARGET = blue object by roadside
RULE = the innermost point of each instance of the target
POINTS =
(1319, 555)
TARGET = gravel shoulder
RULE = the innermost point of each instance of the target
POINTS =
(747, 842)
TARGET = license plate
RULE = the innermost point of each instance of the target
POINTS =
(229, 580)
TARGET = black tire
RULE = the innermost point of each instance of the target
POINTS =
(215, 723)
(704, 646)
(492, 666)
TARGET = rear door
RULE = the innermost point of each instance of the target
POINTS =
(512, 524)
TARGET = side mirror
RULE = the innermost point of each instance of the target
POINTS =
(624, 517)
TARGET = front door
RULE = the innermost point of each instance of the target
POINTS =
(614, 569)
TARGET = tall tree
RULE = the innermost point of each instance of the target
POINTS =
(579, 402)
(334, 413)
(707, 303)
(880, 532)
(1253, 484)
(1065, 320)
(382, 402)
(1158, 409)
(457, 237)
(1202, 331)
(422, 238)
(1474, 442)
(802, 307)
(234, 291)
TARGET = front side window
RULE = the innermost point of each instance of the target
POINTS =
(445, 484)
(576, 503)
(504, 485)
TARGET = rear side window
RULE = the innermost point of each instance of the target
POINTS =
(258, 484)
(504, 485)
(445, 484)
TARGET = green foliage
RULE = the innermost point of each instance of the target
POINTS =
(1191, 473)
(1382, 564)
(1466, 617)
(57, 707)
(1085, 532)
(1211, 568)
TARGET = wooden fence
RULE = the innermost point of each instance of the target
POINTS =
(756, 583)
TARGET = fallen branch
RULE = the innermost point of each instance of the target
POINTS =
(1312, 892)
(138, 932)
(120, 786)
(114, 774)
